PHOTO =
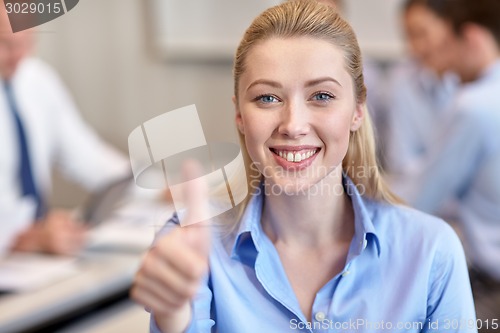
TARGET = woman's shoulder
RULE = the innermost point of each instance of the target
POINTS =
(403, 224)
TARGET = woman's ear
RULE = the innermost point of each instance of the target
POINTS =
(238, 118)
(357, 118)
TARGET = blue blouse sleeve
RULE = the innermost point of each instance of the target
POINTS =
(450, 304)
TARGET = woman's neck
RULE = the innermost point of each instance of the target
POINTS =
(310, 221)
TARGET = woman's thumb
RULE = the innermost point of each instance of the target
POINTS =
(196, 200)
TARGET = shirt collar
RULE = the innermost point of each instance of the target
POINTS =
(492, 72)
(487, 77)
(364, 211)
(250, 226)
(364, 231)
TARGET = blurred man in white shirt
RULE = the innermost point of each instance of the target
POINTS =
(34, 101)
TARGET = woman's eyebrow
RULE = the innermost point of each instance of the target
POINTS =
(265, 82)
(310, 83)
(321, 80)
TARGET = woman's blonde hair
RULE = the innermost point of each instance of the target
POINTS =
(306, 18)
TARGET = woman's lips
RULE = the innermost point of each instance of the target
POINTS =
(295, 157)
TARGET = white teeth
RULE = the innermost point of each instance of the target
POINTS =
(296, 156)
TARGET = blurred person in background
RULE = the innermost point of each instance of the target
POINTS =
(40, 129)
(465, 164)
(421, 91)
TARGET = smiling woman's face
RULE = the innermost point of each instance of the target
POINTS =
(296, 108)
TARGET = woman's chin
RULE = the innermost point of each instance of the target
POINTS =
(293, 184)
(289, 186)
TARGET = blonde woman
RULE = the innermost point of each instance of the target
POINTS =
(321, 244)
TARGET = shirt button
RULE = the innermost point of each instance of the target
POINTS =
(320, 316)
(346, 273)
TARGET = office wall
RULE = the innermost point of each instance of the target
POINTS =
(101, 51)
(104, 51)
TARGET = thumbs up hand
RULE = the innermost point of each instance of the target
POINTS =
(171, 271)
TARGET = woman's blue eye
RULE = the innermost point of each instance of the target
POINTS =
(267, 99)
(322, 97)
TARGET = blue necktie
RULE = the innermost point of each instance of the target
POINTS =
(27, 181)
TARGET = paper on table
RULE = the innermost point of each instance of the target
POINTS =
(132, 227)
(21, 272)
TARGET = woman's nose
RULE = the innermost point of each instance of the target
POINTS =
(294, 121)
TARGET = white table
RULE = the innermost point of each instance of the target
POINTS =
(123, 317)
(102, 275)
(105, 269)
